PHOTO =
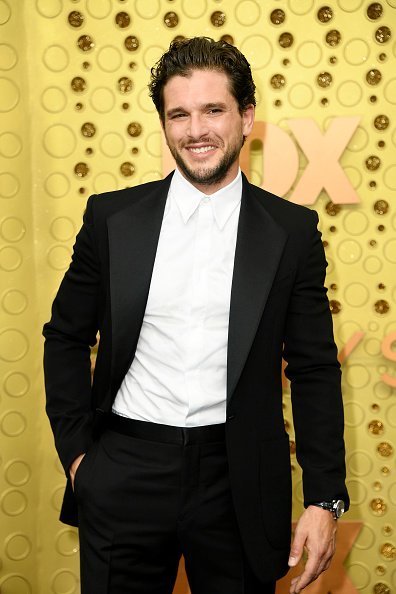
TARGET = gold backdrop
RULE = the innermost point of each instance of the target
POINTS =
(75, 118)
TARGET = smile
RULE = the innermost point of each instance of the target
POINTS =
(202, 149)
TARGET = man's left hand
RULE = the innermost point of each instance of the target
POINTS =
(316, 532)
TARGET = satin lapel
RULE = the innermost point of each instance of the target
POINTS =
(260, 242)
(133, 238)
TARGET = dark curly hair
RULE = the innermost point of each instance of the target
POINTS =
(203, 53)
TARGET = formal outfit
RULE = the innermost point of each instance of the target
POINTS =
(178, 375)
(196, 300)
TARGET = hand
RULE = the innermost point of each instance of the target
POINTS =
(73, 468)
(316, 531)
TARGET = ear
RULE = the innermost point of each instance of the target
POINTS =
(248, 119)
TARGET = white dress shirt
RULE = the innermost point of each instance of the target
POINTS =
(179, 373)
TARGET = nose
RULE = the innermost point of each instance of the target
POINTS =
(198, 126)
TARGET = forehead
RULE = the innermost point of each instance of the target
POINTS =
(199, 86)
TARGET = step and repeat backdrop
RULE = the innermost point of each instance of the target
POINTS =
(76, 119)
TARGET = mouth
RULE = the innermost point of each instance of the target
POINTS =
(201, 149)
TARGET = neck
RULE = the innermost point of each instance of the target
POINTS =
(212, 188)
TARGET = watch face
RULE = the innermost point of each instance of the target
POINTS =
(339, 508)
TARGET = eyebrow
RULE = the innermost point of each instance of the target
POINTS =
(204, 107)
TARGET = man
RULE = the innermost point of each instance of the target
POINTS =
(198, 285)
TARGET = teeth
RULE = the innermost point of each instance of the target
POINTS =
(202, 149)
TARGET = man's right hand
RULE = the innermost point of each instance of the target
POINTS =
(73, 468)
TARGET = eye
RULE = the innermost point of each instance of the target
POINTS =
(177, 116)
(215, 110)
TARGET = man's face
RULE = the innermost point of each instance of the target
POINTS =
(204, 129)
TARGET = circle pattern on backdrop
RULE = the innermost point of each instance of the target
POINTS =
(247, 13)
(109, 58)
(309, 54)
(57, 185)
(147, 9)
(258, 51)
(350, 5)
(102, 100)
(17, 473)
(360, 463)
(58, 257)
(349, 251)
(9, 95)
(67, 542)
(301, 95)
(14, 302)
(54, 99)
(10, 145)
(349, 93)
(301, 7)
(359, 574)
(99, 9)
(356, 51)
(15, 583)
(194, 10)
(16, 384)
(12, 229)
(359, 140)
(356, 294)
(112, 144)
(17, 547)
(5, 12)
(8, 56)
(56, 58)
(49, 8)
(59, 141)
(356, 223)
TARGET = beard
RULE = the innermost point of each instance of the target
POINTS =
(207, 176)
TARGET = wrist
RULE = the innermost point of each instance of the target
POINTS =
(336, 507)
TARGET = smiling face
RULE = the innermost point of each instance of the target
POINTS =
(204, 129)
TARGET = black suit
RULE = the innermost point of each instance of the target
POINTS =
(278, 308)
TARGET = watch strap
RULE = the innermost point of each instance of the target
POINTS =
(336, 507)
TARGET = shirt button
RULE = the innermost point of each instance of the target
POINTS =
(205, 199)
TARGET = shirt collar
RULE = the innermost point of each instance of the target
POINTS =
(188, 197)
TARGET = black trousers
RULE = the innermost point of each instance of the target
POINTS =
(149, 493)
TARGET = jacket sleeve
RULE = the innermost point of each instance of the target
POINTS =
(69, 335)
(315, 376)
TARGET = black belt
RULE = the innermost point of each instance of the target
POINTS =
(166, 433)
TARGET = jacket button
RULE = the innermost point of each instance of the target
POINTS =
(230, 417)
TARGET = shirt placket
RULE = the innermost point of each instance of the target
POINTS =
(199, 303)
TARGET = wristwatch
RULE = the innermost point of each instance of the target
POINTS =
(336, 507)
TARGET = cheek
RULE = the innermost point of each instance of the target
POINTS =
(233, 128)
(178, 132)
(172, 136)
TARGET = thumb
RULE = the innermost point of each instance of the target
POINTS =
(297, 549)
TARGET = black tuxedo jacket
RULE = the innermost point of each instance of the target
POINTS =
(278, 308)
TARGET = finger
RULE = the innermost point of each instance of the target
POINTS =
(327, 558)
(293, 585)
(327, 563)
(326, 567)
(297, 548)
(301, 584)
(310, 572)
(323, 566)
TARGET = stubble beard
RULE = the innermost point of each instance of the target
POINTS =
(208, 176)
